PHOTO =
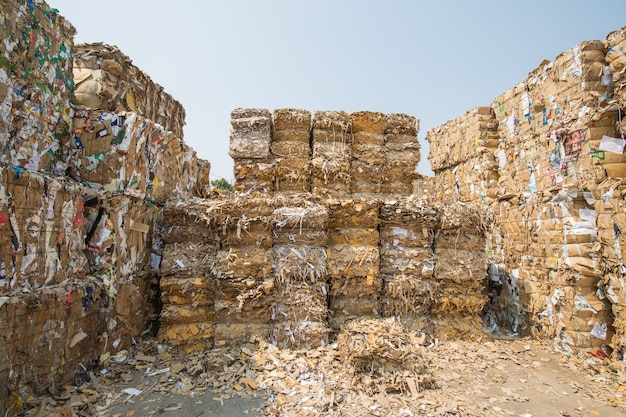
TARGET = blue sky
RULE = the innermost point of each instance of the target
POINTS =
(433, 60)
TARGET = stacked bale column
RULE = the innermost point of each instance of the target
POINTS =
(368, 152)
(332, 154)
(291, 150)
(353, 260)
(407, 260)
(299, 316)
(461, 267)
(187, 314)
(402, 154)
(244, 288)
(250, 137)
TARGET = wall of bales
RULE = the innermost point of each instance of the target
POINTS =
(302, 249)
(81, 192)
(547, 156)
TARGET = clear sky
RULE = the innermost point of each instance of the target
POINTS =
(430, 59)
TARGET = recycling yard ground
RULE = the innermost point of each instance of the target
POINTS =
(501, 377)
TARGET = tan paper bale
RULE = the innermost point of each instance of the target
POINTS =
(291, 149)
(353, 287)
(240, 333)
(332, 151)
(405, 260)
(248, 232)
(353, 260)
(354, 236)
(332, 127)
(369, 122)
(295, 263)
(343, 310)
(292, 125)
(457, 299)
(254, 177)
(354, 213)
(404, 295)
(299, 214)
(330, 177)
(188, 259)
(106, 79)
(401, 124)
(251, 134)
(192, 337)
(243, 262)
(257, 310)
(387, 353)
(304, 334)
(367, 178)
(186, 314)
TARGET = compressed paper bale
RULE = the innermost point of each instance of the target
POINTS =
(365, 177)
(330, 175)
(243, 262)
(408, 213)
(186, 314)
(300, 263)
(106, 79)
(364, 141)
(300, 301)
(401, 124)
(354, 236)
(353, 307)
(297, 214)
(355, 287)
(305, 334)
(413, 236)
(369, 122)
(414, 261)
(404, 295)
(332, 151)
(251, 134)
(457, 299)
(332, 126)
(461, 266)
(254, 177)
(190, 337)
(467, 216)
(305, 237)
(457, 239)
(243, 288)
(292, 125)
(238, 334)
(353, 260)
(387, 353)
(256, 310)
(187, 259)
(354, 213)
(291, 149)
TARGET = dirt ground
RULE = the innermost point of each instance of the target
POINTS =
(499, 377)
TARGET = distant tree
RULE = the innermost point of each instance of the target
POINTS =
(223, 184)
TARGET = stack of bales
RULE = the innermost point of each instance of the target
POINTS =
(250, 138)
(353, 259)
(549, 121)
(461, 266)
(291, 150)
(35, 84)
(190, 247)
(407, 259)
(368, 153)
(462, 155)
(106, 79)
(402, 154)
(244, 288)
(611, 212)
(41, 230)
(332, 154)
(300, 313)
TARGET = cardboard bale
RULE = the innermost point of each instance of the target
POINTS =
(332, 127)
(196, 290)
(291, 125)
(387, 353)
(106, 79)
(251, 134)
(35, 85)
(354, 212)
(257, 309)
(254, 177)
(188, 259)
(353, 260)
(41, 229)
(405, 295)
(299, 315)
(188, 338)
